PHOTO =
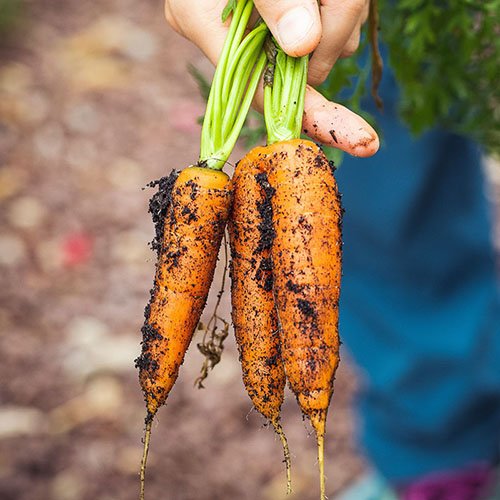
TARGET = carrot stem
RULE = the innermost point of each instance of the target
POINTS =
(284, 96)
(233, 87)
(244, 60)
(147, 439)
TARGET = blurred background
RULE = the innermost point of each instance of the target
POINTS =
(96, 101)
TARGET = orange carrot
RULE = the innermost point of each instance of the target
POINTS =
(307, 254)
(253, 311)
(190, 210)
(307, 245)
(197, 208)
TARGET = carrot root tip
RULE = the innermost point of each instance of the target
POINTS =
(146, 441)
(286, 453)
(321, 464)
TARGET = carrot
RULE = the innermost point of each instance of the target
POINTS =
(253, 311)
(196, 216)
(306, 255)
(190, 211)
(197, 203)
(306, 251)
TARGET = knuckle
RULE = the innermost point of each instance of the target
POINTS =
(348, 51)
(357, 6)
(317, 75)
(351, 46)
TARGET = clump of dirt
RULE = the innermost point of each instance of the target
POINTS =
(266, 229)
(159, 205)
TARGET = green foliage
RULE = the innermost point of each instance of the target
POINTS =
(446, 58)
(201, 81)
(10, 11)
(228, 9)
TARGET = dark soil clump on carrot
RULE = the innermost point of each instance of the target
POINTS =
(265, 209)
(159, 205)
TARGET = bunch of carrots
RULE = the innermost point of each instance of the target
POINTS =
(283, 212)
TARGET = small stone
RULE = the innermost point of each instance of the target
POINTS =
(81, 153)
(50, 255)
(49, 141)
(11, 181)
(131, 247)
(67, 485)
(91, 348)
(86, 330)
(83, 118)
(15, 78)
(102, 399)
(25, 213)
(20, 421)
(12, 250)
(104, 395)
(125, 173)
(140, 45)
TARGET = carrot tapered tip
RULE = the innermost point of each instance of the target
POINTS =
(321, 464)
(147, 439)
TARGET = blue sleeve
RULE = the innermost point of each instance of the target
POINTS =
(420, 307)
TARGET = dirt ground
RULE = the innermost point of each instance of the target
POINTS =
(95, 101)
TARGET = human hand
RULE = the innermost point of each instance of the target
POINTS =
(300, 26)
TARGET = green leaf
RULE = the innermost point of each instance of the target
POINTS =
(10, 13)
(201, 81)
(228, 9)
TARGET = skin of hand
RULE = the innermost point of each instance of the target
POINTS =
(331, 29)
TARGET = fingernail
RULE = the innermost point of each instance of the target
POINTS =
(367, 144)
(294, 27)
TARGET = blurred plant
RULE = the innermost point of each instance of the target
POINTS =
(10, 11)
(446, 59)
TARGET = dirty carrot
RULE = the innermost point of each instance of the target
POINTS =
(190, 211)
(306, 250)
(306, 256)
(253, 310)
(197, 206)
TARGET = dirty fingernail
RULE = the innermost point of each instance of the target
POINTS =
(294, 27)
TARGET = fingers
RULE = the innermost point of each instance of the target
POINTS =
(324, 121)
(342, 20)
(296, 24)
(204, 29)
(335, 125)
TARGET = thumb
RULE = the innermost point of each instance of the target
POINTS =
(295, 24)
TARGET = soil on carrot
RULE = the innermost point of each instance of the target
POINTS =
(159, 205)
(94, 103)
(265, 209)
